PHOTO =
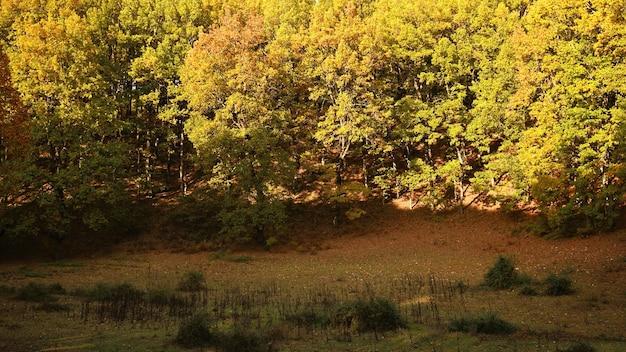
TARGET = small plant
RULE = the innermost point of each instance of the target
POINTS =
(242, 339)
(376, 315)
(106, 292)
(558, 285)
(56, 289)
(503, 275)
(195, 331)
(33, 292)
(580, 347)
(224, 255)
(307, 317)
(54, 307)
(7, 290)
(528, 290)
(489, 324)
(242, 259)
(193, 281)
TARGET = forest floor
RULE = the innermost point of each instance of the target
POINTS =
(390, 241)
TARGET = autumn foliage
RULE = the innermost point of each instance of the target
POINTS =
(520, 103)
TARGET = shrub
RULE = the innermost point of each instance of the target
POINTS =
(528, 290)
(195, 331)
(307, 317)
(377, 314)
(56, 289)
(558, 285)
(33, 292)
(502, 275)
(54, 307)
(7, 290)
(241, 339)
(193, 281)
(489, 324)
(580, 347)
(105, 292)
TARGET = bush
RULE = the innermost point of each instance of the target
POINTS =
(489, 324)
(193, 281)
(580, 347)
(377, 314)
(54, 307)
(558, 285)
(241, 339)
(195, 331)
(7, 290)
(106, 292)
(307, 317)
(528, 290)
(502, 275)
(33, 292)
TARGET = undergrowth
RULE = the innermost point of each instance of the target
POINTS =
(489, 324)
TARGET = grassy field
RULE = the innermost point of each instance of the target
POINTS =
(310, 295)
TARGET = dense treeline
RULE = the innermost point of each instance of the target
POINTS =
(108, 102)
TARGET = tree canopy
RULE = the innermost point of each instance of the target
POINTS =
(256, 103)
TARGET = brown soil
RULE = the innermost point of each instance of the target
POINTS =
(390, 238)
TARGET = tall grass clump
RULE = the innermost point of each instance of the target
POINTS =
(558, 285)
(580, 347)
(374, 315)
(489, 324)
(192, 281)
(34, 292)
(242, 339)
(503, 275)
(195, 331)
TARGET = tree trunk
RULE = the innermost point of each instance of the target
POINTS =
(181, 168)
(338, 182)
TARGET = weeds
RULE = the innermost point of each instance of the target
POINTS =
(580, 347)
(528, 290)
(224, 255)
(558, 285)
(54, 307)
(34, 292)
(195, 331)
(376, 315)
(243, 339)
(192, 281)
(7, 291)
(489, 324)
(255, 316)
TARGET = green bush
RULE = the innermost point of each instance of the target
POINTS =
(33, 292)
(377, 314)
(242, 339)
(307, 317)
(7, 290)
(489, 324)
(558, 285)
(193, 281)
(502, 275)
(195, 331)
(580, 347)
(54, 307)
(106, 292)
(528, 290)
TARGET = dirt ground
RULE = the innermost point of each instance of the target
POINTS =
(389, 239)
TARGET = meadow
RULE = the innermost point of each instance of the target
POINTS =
(398, 281)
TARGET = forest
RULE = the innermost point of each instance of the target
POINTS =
(239, 110)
